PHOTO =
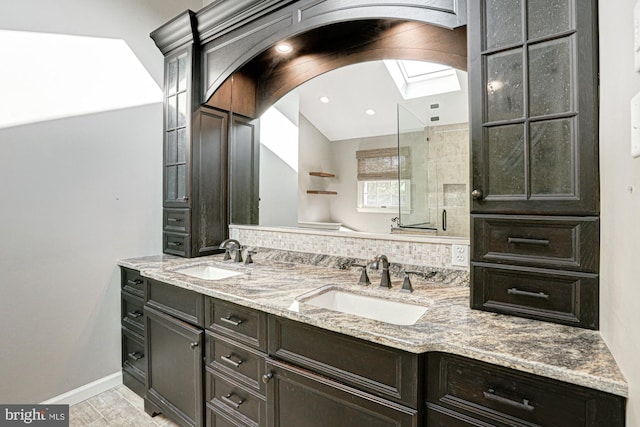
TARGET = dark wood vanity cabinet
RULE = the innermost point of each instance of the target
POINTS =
(174, 320)
(134, 363)
(465, 392)
(533, 89)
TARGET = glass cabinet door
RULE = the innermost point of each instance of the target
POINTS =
(176, 141)
(534, 107)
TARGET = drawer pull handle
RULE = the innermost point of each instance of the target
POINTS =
(194, 344)
(267, 377)
(174, 244)
(230, 361)
(136, 355)
(229, 320)
(227, 399)
(491, 395)
(515, 291)
(174, 219)
(523, 241)
(135, 282)
(134, 314)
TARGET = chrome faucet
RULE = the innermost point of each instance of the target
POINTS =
(385, 279)
(227, 250)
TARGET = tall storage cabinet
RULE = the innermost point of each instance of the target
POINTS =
(535, 201)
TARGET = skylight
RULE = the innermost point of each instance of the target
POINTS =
(51, 76)
(416, 79)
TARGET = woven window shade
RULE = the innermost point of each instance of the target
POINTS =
(383, 164)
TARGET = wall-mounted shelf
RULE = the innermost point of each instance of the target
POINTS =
(322, 192)
(322, 174)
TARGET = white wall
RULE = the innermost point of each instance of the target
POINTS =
(344, 209)
(620, 198)
(78, 194)
(314, 155)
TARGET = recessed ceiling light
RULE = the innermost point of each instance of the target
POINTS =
(324, 99)
(370, 112)
(284, 48)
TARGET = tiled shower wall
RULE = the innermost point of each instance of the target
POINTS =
(402, 249)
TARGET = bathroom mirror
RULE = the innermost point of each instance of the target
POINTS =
(312, 143)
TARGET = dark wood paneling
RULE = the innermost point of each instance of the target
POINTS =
(217, 418)
(242, 324)
(176, 244)
(132, 314)
(299, 397)
(504, 397)
(176, 220)
(227, 396)
(244, 170)
(180, 303)
(554, 242)
(132, 282)
(239, 362)
(134, 361)
(380, 370)
(174, 377)
(209, 184)
(550, 295)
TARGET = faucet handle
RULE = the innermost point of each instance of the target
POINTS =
(406, 284)
(364, 277)
(227, 254)
(248, 259)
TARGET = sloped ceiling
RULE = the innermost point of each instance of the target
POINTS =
(354, 89)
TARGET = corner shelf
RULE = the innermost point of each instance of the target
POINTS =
(322, 192)
(322, 174)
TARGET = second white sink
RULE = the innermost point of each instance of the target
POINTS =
(397, 313)
(208, 272)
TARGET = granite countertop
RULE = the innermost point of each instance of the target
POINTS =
(565, 353)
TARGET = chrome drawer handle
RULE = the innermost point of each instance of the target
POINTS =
(227, 399)
(135, 314)
(227, 359)
(174, 244)
(135, 282)
(136, 355)
(174, 219)
(523, 241)
(230, 321)
(515, 291)
(490, 395)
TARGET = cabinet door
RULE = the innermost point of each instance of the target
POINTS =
(209, 186)
(244, 173)
(174, 377)
(176, 125)
(297, 397)
(534, 108)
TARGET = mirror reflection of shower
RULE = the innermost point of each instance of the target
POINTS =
(435, 174)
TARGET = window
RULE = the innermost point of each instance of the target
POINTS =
(379, 189)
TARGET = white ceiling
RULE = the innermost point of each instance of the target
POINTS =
(356, 88)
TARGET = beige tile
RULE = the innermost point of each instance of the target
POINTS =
(131, 397)
(83, 414)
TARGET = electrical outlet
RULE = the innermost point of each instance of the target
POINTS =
(460, 255)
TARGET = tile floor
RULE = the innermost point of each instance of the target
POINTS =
(118, 407)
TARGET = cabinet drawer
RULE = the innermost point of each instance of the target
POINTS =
(554, 296)
(217, 418)
(239, 323)
(237, 361)
(181, 303)
(559, 242)
(132, 313)
(133, 355)
(379, 370)
(227, 396)
(505, 397)
(132, 282)
(176, 220)
(176, 244)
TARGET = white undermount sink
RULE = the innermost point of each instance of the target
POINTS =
(397, 313)
(208, 272)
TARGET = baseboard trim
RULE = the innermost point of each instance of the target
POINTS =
(86, 391)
